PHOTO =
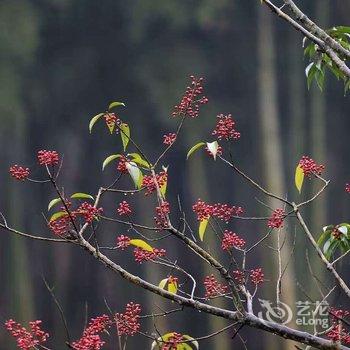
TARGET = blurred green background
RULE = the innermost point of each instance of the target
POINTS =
(63, 61)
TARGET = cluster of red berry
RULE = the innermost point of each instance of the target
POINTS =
(257, 276)
(91, 339)
(142, 255)
(27, 339)
(124, 208)
(19, 172)
(121, 166)
(150, 182)
(123, 242)
(213, 288)
(231, 240)
(172, 343)
(225, 128)
(276, 219)
(191, 100)
(44, 158)
(112, 120)
(338, 333)
(128, 323)
(63, 224)
(169, 138)
(238, 276)
(89, 212)
(48, 157)
(310, 167)
(223, 212)
(162, 211)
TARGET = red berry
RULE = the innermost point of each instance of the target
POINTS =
(225, 128)
(128, 323)
(169, 139)
(310, 167)
(27, 339)
(192, 100)
(124, 208)
(213, 288)
(231, 240)
(48, 157)
(276, 219)
(257, 276)
(19, 172)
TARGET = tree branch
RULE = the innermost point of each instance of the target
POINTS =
(247, 319)
(328, 264)
(325, 47)
(316, 30)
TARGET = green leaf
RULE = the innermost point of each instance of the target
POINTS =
(202, 227)
(172, 287)
(53, 203)
(109, 159)
(94, 120)
(110, 127)
(115, 104)
(58, 215)
(139, 183)
(319, 76)
(330, 247)
(344, 229)
(193, 344)
(340, 29)
(141, 244)
(299, 178)
(135, 157)
(124, 134)
(213, 148)
(195, 148)
(162, 283)
(81, 195)
(310, 72)
(163, 188)
(135, 174)
(193, 341)
(324, 236)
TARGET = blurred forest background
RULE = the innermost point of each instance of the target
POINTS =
(63, 61)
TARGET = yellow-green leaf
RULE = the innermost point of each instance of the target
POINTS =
(124, 134)
(53, 203)
(193, 341)
(195, 148)
(202, 227)
(172, 287)
(81, 195)
(58, 215)
(135, 157)
(163, 188)
(141, 244)
(94, 120)
(139, 183)
(162, 283)
(109, 159)
(160, 341)
(111, 126)
(191, 345)
(299, 178)
(115, 104)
